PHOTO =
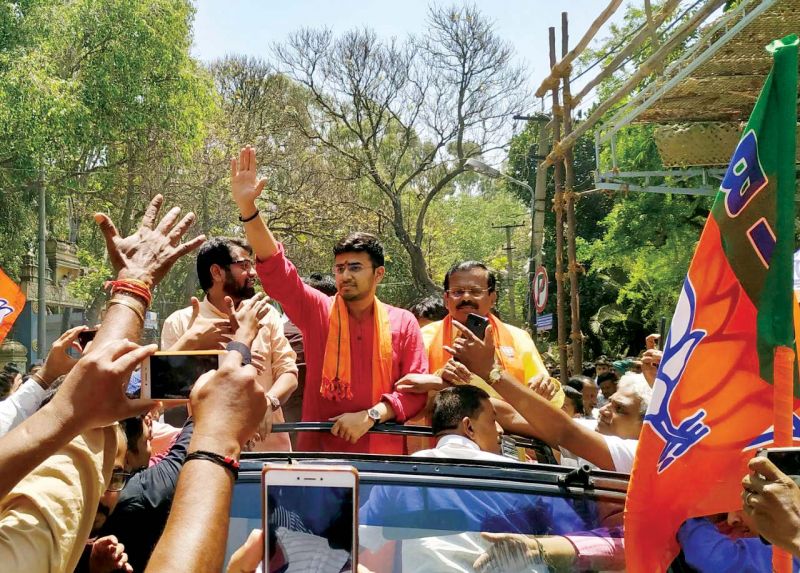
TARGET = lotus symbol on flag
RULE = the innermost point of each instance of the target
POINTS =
(5, 309)
(679, 347)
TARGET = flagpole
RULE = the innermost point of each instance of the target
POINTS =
(783, 402)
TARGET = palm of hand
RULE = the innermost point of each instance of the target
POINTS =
(245, 186)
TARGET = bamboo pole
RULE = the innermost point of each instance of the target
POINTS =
(558, 205)
(557, 70)
(651, 25)
(540, 196)
(569, 197)
(636, 41)
(651, 64)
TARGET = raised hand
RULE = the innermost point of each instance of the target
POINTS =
(476, 354)
(772, 499)
(151, 251)
(58, 362)
(245, 185)
(93, 393)
(245, 320)
(228, 406)
(203, 333)
(545, 386)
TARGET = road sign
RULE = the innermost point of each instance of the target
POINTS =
(544, 322)
(540, 289)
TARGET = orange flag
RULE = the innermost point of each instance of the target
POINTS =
(12, 300)
(729, 349)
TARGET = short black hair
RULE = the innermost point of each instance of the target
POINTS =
(6, 382)
(431, 307)
(453, 404)
(323, 283)
(361, 243)
(576, 396)
(134, 428)
(216, 251)
(589, 370)
(605, 376)
(491, 276)
(578, 382)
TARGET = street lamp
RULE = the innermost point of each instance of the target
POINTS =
(478, 166)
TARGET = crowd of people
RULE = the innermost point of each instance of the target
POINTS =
(94, 479)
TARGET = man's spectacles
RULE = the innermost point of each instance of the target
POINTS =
(246, 264)
(352, 267)
(473, 292)
(118, 480)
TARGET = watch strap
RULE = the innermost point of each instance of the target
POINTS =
(241, 348)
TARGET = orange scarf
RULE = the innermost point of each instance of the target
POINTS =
(336, 367)
(503, 343)
(438, 357)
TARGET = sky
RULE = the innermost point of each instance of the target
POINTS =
(249, 27)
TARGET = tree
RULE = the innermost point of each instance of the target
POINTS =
(405, 116)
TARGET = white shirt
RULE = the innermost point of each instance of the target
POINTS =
(20, 405)
(271, 344)
(622, 453)
(459, 447)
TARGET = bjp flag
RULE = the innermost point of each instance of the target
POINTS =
(730, 339)
(12, 299)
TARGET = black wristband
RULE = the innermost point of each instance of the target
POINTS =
(241, 348)
(250, 218)
(226, 462)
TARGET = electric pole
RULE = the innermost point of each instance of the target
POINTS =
(509, 268)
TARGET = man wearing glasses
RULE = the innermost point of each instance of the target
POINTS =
(470, 287)
(356, 347)
(225, 270)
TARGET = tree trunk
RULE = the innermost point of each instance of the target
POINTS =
(130, 190)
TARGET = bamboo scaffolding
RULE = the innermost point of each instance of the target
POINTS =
(557, 70)
(652, 63)
(569, 200)
(558, 205)
(636, 41)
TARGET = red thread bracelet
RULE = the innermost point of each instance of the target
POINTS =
(136, 288)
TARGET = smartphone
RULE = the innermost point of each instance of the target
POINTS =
(171, 375)
(477, 324)
(310, 518)
(86, 336)
(787, 460)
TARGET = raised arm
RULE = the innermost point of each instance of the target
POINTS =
(245, 189)
(548, 423)
(93, 393)
(228, 406)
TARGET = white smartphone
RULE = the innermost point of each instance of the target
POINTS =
(310, 518)
(171, 375)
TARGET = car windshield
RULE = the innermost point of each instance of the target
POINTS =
(428, 516)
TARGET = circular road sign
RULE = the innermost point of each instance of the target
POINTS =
(540, 289)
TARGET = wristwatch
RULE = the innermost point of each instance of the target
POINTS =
(274, 402)
(374, 415)
(495, 374)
